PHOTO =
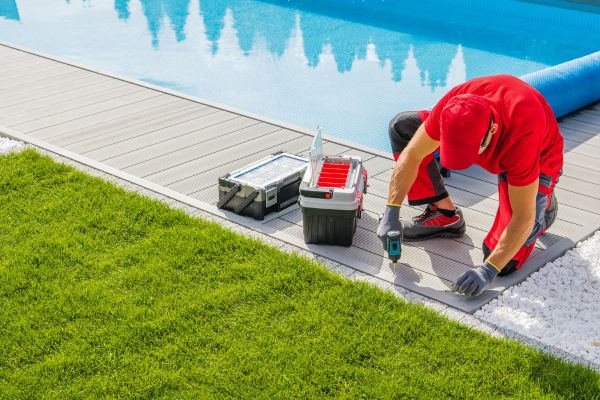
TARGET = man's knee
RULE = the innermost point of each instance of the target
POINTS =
(402, 128)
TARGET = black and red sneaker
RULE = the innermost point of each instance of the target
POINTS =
(435, 223)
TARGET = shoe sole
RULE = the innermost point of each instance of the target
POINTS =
(448, 234)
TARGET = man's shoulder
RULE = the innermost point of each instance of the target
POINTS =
(495, 82)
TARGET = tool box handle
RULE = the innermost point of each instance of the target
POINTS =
(236, 188)
(249, 199)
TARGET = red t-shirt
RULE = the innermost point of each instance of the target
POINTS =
(528, 141)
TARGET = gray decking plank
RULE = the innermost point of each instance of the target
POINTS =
(477, 220)
(125, 117)
(39, 78)
(574, 175)
(209, 195)
(182, 175)
(585, 127)
(50, 93)
(577, 136)
(582, 148)
(196, 180)
(588, 111)
(591, 118)
(63, 101)
(330, 148)
(32, 127)
(25, 116)
(458, 251)
(17, 88)
(25, 64)
(421, 267)
(365, 156)
(377, 165)
(87, 127)
(586, 204)
(195, 145)
(28, 74)
(484, 196)
(9, 58)
(574, 167)
(582, 160)
(151, 145)
(88, 139)
(465, 181)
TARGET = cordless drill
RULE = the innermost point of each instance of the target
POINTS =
(393, 246)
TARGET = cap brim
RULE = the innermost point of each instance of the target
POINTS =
(457, 157)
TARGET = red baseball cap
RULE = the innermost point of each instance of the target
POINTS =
(464, 121)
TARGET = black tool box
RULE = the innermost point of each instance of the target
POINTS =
(268, 185)
(331, 197)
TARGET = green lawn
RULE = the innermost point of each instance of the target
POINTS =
(104, 293)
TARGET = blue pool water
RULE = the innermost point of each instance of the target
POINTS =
(347, 65)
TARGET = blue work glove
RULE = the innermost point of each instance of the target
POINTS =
(390, 221)
(475, 281)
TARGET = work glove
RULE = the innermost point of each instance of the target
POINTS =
(475, 281)
(389, 221)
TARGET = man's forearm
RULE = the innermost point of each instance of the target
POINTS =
(403, 176)
(511, 240)
(407, 166)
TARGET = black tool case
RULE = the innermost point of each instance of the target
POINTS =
(331, 197)
(268, 185)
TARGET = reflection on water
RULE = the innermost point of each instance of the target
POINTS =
(9, 10)
(301, 66)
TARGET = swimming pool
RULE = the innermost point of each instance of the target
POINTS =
(348, 66)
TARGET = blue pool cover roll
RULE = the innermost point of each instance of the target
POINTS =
(569, 86)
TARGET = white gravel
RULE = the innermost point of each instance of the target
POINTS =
(8, 145)
(559, 305)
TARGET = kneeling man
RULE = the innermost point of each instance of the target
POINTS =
(501, 124)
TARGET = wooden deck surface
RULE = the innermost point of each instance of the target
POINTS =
(184, 145)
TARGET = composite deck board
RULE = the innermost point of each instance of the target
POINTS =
(197, 182)
(177, 142)
(37, 86)
(483, 196)
(90, 141)
(577, 203)
(583, 149)
(54, 92)
(23, 66)
(68, 100)
(90, 126)
(186, 145)
(588, 112)
(32, 127)
(460, 252)
(222, 161)
(380, 266)
(30, 72)
(133, 114)
(585, 127)
(8, 58)
(27, 79)
(581, 137)
(41, 113)
(198, 144)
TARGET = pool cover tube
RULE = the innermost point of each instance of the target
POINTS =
(569, 86)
